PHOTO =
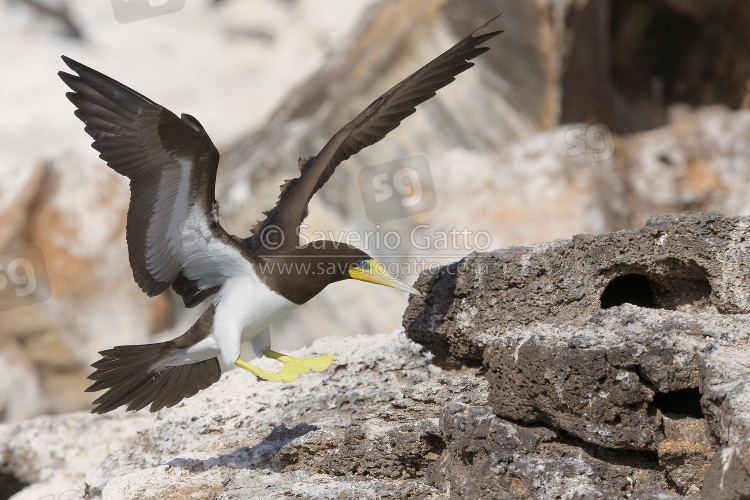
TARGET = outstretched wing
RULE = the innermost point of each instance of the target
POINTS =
(173, 234)
(371, 125)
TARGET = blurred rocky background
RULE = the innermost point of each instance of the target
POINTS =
(584, 117)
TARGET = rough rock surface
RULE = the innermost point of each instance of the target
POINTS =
(728, 476)
(397, 426)
(609, 380)
(636, 340)
(226, 440)
(488, 457)
(384, 423)
(631, 378)
(691, 262)
(685, 451)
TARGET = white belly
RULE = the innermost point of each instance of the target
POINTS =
(245, 307)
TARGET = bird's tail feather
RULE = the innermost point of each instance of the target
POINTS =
(132, 375)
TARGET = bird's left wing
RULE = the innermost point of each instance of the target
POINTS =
(371, 125)
(173, 234)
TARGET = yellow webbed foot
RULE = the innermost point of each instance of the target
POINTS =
(300, 366)
(262, 374)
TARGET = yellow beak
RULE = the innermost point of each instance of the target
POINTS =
(374, 272)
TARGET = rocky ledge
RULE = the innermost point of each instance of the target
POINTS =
(385, 423)
(611, 366)
(634, 342)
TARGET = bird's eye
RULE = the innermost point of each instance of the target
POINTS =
(365, 265)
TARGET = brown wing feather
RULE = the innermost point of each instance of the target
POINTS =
(133, 375)
(171, 163)
(371, 125)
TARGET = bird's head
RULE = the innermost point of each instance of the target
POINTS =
(335, 261)
(301, 273)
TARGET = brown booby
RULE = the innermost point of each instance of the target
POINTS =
(175, 240)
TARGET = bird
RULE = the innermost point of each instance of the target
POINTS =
(175, 239)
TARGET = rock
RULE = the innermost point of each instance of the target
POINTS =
(685, 452)
(690, 262)
(727, 478)
(488, 457)
(373, 447)
(564, 345)
(62, 489)
(397, 442)
(698, 161)
(558, 179)
(384, 423)
(645, 395)
(19, 192)
(226, 440)
(610, 380)
(20, 390)
(571, 381)
(726, 393)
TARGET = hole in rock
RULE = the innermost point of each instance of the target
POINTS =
(435, 445)
(668, 284)
(10, 485)
(628, 289)
(682, 402)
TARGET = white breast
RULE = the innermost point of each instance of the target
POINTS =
(245, 307)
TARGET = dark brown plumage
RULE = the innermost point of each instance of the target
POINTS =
(146, 143)
(127, 375)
